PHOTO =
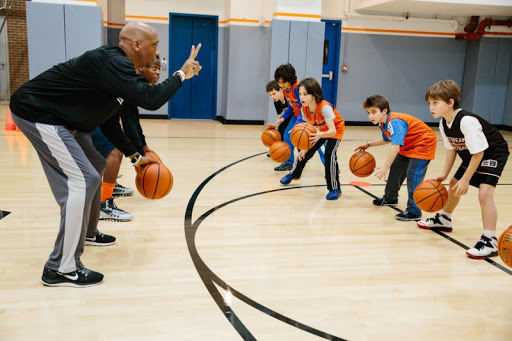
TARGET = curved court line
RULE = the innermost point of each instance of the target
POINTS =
(209, 278)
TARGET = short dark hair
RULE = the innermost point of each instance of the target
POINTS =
(273, 85)
(377, 101)
(444, 90)
(286, 72)
(312, 88)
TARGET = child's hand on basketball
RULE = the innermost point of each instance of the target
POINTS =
(314, 137)
(461, 187)
(440, 178)
(270, 126)
(361, 148)
(302, 154)
(381, 173)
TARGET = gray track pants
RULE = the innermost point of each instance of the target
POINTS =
(74, 170)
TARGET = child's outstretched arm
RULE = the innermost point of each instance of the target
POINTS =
(369, 144)
(451, 154)
(382, 171)
(285, 115)
(461, 187)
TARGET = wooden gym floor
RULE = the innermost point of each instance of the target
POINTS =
(232, 254)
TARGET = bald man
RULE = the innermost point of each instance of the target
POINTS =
(56, 111)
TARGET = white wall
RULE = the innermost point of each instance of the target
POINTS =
(300, 6)
(158, 8)
(333, 9)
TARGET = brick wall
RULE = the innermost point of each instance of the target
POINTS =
(17, 43)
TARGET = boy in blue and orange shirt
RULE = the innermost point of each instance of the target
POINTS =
(413, 145)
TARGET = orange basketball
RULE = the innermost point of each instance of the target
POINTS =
(154, 181)
(430, 195)
(505, 246)
(300, 135)
(280, 151)
(362, 164)
(269, 136)
(152, 155)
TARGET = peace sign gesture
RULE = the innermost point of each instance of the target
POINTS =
(191, 66)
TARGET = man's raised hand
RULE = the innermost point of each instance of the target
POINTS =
(191, 66)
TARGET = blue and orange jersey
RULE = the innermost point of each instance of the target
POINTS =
(294, 103)
(420, 140)
(317, 119)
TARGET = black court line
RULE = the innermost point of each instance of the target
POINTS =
(4, 214)
(209, 278)
(456, 242)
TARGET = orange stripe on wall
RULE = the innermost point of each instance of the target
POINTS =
(113, 24)
(396, 31)
(298, 15)
(144, 17)
(499, 33)
(241, 20)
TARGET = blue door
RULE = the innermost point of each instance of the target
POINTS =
(331, 60)
(197, 98)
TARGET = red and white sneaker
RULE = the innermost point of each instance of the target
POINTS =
(485, 247)
(438, 222)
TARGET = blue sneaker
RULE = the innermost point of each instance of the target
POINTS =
(334, 194)
(287, 179)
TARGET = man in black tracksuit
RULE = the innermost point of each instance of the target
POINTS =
(57, 110)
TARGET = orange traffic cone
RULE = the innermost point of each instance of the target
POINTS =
(9, 123)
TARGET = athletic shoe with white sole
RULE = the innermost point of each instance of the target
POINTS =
(121, 191)
(109, 211)
(438, 222)
(81, 278)
(485, 247)
(100, 240)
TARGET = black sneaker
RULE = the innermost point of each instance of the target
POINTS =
(406, 216)
(121, 191)
(283, 167)
(79, 279)
(100, 240)
(385, 202)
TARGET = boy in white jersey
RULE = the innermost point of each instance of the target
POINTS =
(484, 153)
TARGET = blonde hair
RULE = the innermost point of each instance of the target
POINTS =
(444, 90)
